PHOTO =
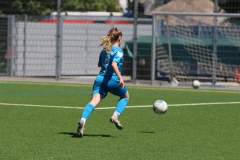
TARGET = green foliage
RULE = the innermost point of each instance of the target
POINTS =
(90, 5)
(30, 7)
(40, 8)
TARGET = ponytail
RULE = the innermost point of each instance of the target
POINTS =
(111, 37)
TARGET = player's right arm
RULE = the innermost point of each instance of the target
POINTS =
(115, 69)
(117, 58)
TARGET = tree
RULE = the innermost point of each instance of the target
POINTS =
(90, 5)
(40, 8)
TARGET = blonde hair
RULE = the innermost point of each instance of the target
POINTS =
(111, 37)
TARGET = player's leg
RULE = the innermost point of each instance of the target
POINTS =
(114, 88)
(98, 93)
(121, 104)
(96, 99)
(120, 107)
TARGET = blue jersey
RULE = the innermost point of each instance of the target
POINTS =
(106, 59)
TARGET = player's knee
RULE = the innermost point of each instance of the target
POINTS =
(127, 95)
(96, 99)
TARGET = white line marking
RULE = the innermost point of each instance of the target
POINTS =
(218, 90)
(100, 108)
(203, 104)
(42, 106)
(48, 83)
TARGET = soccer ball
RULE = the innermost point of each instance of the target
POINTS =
(195, 84)
(160, 107)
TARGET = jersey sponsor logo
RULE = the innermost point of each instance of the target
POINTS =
(119, 54)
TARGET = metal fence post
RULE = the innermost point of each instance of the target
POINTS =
(58, 40)
(86, 48)
(25, 45)
(134, 71)
(8, 44)
(170, 50)
(214, 54)
(159, 27)
(12, 24)
(60, 45)
(112, 21)
(153, 55)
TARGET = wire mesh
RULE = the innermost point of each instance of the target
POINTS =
(202, 47)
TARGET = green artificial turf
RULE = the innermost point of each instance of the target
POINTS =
(39, 121)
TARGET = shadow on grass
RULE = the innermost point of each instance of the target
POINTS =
(74, 135)
(146, 132)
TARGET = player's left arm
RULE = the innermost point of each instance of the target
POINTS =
(99, 61)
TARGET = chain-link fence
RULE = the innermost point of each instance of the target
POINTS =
(36, 45)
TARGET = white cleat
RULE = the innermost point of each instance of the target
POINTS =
(80, 129)
(117, 123)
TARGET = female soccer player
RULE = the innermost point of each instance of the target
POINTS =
(109, 79)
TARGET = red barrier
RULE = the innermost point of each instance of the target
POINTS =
(85, 21)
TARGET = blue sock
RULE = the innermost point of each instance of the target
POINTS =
(121, 105)
(87, 111)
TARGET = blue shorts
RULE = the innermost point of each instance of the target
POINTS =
(105, 84)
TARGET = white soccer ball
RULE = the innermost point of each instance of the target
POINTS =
(160, 107)
(196, 84)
